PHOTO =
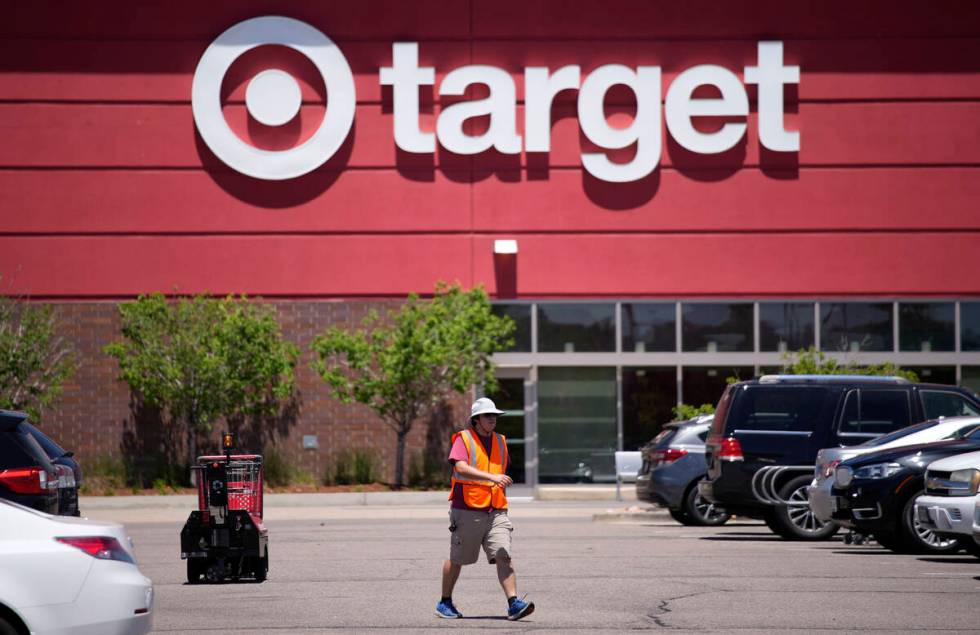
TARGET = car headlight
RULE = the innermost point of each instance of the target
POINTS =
(878, 470)
(843, 476)
(964, 482)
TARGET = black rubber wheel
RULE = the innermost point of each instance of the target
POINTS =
(680, 516)
(6, 628)
(796, 521)
(912, 537)
(889, 541)
(195, 569)
(702, 513)
(970, 546)
(262, 566)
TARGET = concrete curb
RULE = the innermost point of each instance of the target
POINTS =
(632, 515)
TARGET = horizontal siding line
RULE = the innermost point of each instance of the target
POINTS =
(488, 233)
(530, 38)
(504, 169)
(183, 103)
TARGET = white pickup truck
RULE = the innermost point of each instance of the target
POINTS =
(949, 504)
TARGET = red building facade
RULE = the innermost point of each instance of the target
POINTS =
(109, 189)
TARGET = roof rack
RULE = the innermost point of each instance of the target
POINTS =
(874, 379)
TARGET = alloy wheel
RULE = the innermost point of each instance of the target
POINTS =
(798, 510)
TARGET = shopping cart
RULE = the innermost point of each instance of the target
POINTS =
(225, 539)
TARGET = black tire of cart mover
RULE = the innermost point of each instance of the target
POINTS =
(246, 543)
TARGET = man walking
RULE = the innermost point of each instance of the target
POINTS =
(478, 510)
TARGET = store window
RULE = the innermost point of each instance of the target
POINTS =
(521, 315)
(970, 326)
(785, 326)
(701, 385)
(577, 425)
(649, 327)
(649, 396)
(715, 328)
(970, 378)
(934, 374)
(576, 328)
(926, 326)
(856, 326)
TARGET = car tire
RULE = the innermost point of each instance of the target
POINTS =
(910, 537)
(195, 569)
(797, 521)
(970, 546)
(702, 513)
(680, 516)
(6, 628)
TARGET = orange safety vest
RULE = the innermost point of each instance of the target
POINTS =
(478, 493)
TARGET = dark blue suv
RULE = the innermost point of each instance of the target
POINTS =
(766, 434)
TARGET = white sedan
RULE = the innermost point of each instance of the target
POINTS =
(61, 574)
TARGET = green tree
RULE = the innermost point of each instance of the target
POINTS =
(683, 411)
(810, 361)
(204, 359)
(35, 361)
(404, 365)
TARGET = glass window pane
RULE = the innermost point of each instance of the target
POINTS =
(649, 394)
(926, 326)
(934, 374)
(521, 314)
(785, 326)
(937, 403)
(577, 424)
(717, 327)
(572, 328)
(701, 385)
(970, 378)
(509, 397)
(649, 327)
(970, 326)
(881, 411)
(856, 326)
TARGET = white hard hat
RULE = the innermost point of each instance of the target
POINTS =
(484, 406)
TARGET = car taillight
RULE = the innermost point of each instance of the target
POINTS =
(730, 450)
(101, 547)
(28, 480)
(668, 455)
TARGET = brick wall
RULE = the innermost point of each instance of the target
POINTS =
(94, 413)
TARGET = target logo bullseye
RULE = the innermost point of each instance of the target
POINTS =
(273, 98)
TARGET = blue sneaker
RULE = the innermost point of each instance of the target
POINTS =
(519, 609)
(448, 611)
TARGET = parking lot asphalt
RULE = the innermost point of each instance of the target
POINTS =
(375, 569)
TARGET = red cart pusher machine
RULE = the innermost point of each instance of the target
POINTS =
(225, 537)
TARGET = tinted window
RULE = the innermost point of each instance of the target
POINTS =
(18, 449)
(926, 326)
(717, 327)
(649, 327)
(568, 328)
(785, 326)
(938, 403)
(52, 449)
(856, 326)
(521, 314)
(777, 408)
(870, 411)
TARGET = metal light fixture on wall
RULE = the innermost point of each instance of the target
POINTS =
(505, 267)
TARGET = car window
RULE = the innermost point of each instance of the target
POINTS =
(875, 411)
(940, 403)
(18, 449)
(778, 408)
(964, 432)
(704, 436)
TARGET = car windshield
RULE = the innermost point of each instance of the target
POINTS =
(898, 434)
(973, 435)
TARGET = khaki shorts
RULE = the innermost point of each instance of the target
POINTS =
(473, 529)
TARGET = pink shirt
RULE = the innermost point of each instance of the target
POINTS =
(459, 453)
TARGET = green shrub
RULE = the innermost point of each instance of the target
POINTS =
(278, 471)
(427, 472)
(351, 467)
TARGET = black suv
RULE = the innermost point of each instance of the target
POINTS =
(767, 432)
(27, 475)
